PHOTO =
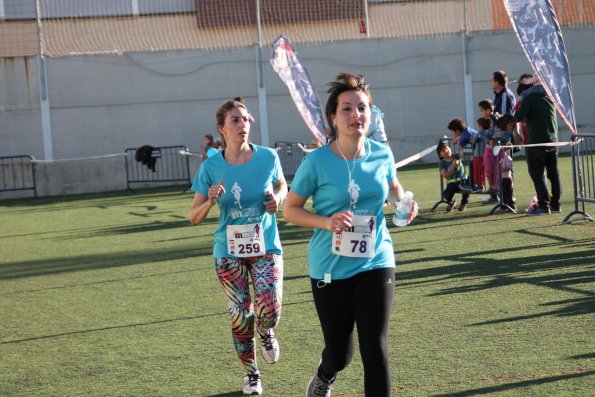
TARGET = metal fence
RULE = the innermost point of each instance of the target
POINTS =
(475, 183)
(583, 175)
(291, 156)
(17, 173)
(167, 164)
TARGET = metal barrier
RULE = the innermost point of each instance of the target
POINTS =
(474, 166)
(169, 166)
(291, 156)
(583, 175)
(17, 173)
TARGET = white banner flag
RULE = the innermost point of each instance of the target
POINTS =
(295, 76)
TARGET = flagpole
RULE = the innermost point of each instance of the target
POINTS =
(262, 92)
(44, 98)
(467, 78)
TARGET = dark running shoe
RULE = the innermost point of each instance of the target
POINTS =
(450, 206)
(319, 388)
(466, 189)
(555, 208)
(538, 211)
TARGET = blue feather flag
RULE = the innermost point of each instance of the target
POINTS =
(538, 30)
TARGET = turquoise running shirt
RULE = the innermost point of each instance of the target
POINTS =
(242, 203)
(325, 177)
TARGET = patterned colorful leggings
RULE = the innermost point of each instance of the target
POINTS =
(267, 277)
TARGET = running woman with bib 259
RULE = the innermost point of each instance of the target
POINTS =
(247, 183)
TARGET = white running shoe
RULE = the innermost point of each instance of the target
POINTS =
(270, 347)
(252, 385)
(319, 388)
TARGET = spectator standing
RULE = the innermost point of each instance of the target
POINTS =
(486, 109)
(490, 162)
(506, 129)
(539, 112)
(463, 135)
(521, 132)
(484, 150)
(507, 181)
(504, 99)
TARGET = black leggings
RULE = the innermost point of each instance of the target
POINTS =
(451, 189)
(364, 299)
(538, 160)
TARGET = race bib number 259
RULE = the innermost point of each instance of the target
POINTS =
(244, 241)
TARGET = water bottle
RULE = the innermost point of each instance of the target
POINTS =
(403, 208)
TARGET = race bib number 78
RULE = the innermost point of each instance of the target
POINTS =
(359, 241)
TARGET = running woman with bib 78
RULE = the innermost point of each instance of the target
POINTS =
(350, 258)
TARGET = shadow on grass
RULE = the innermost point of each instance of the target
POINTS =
(301, 276)
(91, 232)
(521, 384)
(86, 331)
(59, 265)
(129, 229)
(142, 324)
(103, 200)
(579, 306)
(433, 220)
(494, 273)
(583, 356)
(112, 280)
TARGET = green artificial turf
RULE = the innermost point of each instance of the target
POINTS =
(115, 295)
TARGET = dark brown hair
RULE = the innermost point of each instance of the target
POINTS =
(222, 113)
(485, 123)
(523, 87)
(343, 83)
(486, 104)
(457, 124)
(500, 77)
(504, 121)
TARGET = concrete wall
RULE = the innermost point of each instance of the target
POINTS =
(78, 176)
(104, 104)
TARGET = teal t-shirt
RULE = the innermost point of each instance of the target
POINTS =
(325, 177)
(242, 203)
(211, 152)
(459, 173)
